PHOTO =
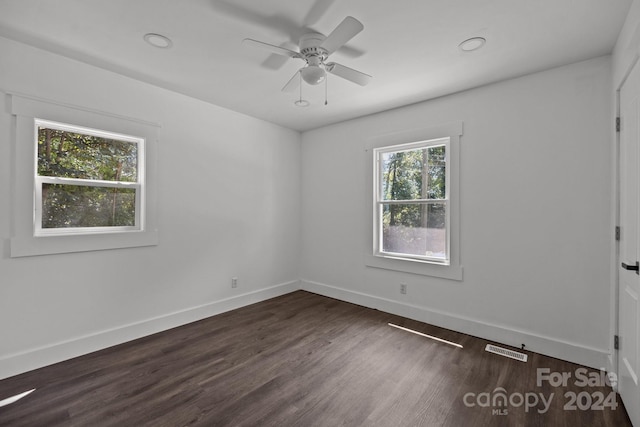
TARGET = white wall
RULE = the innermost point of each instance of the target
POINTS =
(627, 47)
(229, 205)
(536, 179)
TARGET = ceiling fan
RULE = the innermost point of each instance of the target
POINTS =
(315, 49)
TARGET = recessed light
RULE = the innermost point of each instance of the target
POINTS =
(158, 40)
(474, 43)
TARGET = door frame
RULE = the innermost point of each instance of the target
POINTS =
(615, 253)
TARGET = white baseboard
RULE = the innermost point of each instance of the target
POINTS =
(572, 352)
(18, 363)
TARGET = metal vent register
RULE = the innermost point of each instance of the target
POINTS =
(506, 352)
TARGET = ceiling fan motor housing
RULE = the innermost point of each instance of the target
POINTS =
(311, 50)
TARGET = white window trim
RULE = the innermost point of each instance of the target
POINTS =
(26, 241)
(453, 270)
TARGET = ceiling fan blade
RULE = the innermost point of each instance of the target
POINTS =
(344, 32)
(272, 48)
(293, 83)
(347, 73)
(317, 11)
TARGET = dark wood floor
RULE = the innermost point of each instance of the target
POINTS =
(300, 360)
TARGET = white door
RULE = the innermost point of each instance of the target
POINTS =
(629, 280)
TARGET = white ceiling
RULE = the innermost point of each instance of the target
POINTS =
(410, 47)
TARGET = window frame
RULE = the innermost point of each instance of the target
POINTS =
(26, 239)
(138, 185)
(452, 270)
(380, 201)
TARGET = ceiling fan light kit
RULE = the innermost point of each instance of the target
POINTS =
(315, 49)
(313, 74)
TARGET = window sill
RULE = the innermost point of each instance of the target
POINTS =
(413, 266)
(46, 245)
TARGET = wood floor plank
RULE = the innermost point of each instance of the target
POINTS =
(297, 360)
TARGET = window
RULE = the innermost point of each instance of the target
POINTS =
(411, 201)
(87, 180)
(84, 180)
(415, 207)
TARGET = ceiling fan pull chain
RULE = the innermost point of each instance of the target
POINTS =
(300, 74)
(326, 83)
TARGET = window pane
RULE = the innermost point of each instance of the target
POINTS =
(436, 172)
(415, 229)
(414, 174)
(65, 206)
(75, 155)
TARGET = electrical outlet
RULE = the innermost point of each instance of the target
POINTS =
(234, 282)
(403, 288)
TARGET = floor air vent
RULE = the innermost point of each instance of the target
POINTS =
(506, 352)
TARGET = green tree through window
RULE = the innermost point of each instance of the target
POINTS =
(86, 179)
(412, 200)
